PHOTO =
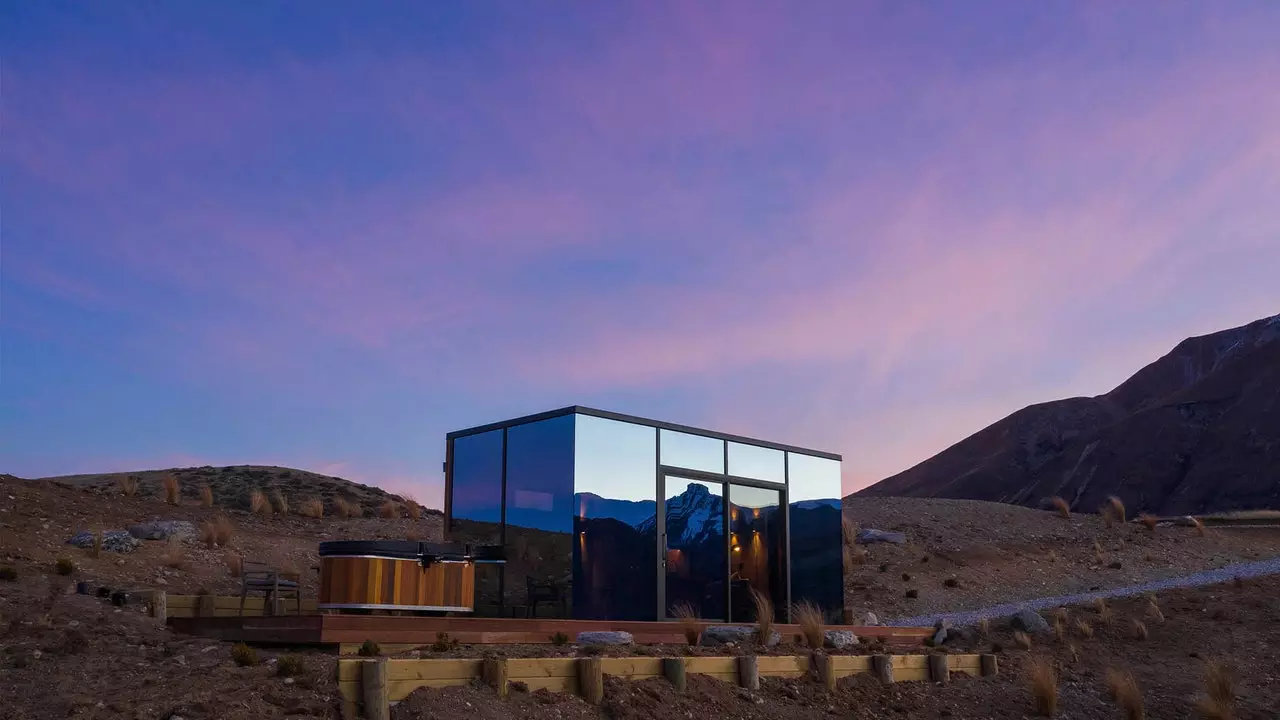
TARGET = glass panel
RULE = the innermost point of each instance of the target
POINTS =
(756, 555)
(616, 553)
(695, 550)
(539, 546)
(476, 507)
(817, 570)
(694, 452)
(750, 461)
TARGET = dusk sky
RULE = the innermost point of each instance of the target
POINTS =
(321, 234)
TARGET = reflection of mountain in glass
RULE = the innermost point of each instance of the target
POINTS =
(817, 570)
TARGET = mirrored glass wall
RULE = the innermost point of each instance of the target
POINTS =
(817, 573)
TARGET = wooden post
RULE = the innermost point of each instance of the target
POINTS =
(748, 672)
(883, 666)
(160, 606)
(847, 616)
(673, 669)
(990, 668)
(591, 679)
(373, 682)
(205, 605)
(495, 675)
(826, 669)
(939, 668)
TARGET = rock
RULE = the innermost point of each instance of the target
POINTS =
(1030, 621)
(604, 637)
(942, 624)
(839, 639)
(112, 540)
(940, 637)
(163, 529)
(729, 634)
(869, 536)
(872, 619)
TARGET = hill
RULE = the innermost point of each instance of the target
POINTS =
(1196, 431)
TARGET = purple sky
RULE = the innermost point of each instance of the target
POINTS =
(323, 234)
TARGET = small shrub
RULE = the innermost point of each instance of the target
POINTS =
(951, 582)
(809, 617)
(1022, 640)
(64, 566)
(1198, 524)
(8, 574)
(1140, 630)
(258, 504)
(243, 655)
(764, 615)
(559, 639)
(687, 615)
(216, 532)
(912, 594)
(1044, 687)
(389, 510)
(1084, 629)
(444, 643)
(289, 666)
(1150, 521)
(206, 496)
(172, 490)
(128, 485)
(369, 648)
(1124, 690)
(1219, 702)
(312, 508)
(1061, 506)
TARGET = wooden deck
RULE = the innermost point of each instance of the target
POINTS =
(394, 631)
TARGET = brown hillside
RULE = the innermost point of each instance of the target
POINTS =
(1196, 431)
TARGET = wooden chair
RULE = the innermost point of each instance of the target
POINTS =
(273, 583)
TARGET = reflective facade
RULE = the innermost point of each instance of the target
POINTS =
(607, 516)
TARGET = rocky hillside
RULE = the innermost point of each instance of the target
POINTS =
(1196, 431)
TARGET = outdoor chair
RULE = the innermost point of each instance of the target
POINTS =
(273, 583)
(548, 591)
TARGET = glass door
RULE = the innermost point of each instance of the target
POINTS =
(695, 551)
(757, 555)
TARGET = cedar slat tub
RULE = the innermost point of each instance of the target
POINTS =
(399, 575)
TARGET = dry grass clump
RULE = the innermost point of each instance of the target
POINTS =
(235, 565)
(1150, 521)
(172, 489)
(64, 566)
(1043, 680)
(128, 485)
(687, 615)
(280, 503)
(412, 507)
(1100, 604)
(1140, 630)
(216, 532)
(1124, 690)
(764, 615)
(258, 504)
(96, 549)
(1198, 524)
(344, 508)
(206, 496)
(854, 554)
(1153, 609)
(389, 510)
(175, 555)
(1112, 511)
(312, 508)
(1061, 615)
(1061, 506)
(984, 627)
(1022, 640)
(1084, 629)
(1059, 630)
(1106, 617)
(809, 617)
(289, 666)
(1074, 652)
(243, 655)
(1219, 702)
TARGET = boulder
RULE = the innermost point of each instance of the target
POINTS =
(741, 634)
(839, 639)
(112, 541)
(1028, 620)
(604, 637)
(163, 529)
(940, 637)
(872, 619)
(868, 536)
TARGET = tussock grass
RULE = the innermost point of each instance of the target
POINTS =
(1151, 521)
(1061, 615)
(1073, 651)
(1084, 629)
(344, 508)
(809, 617)
(206, 496)
(1106, 617)
(175, 555)
(687, 615)
(235, 565)
(1022, 640)
(389, 510)
(128, 485)
(412, 507)
(1061, 506)
(1043, 680)
(312, 508)
(1112, 511)
(1140, 631)
(1059, 630)
(764, 615)
(1219, 702)
(1124, 690)
(258, 504)
(1153, 609)
(172, 490)
(1198, 524)
(216, 532)
(279, 503)
(1100, 604)
(95, 550)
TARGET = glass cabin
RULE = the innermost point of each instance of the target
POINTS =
(611, 517)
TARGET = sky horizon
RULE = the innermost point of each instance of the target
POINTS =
(321, 235)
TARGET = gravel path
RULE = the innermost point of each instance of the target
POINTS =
(998, 612)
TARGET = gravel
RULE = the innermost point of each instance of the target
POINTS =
(999, 612)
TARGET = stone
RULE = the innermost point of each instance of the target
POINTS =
(604, 637)
(1028, 620)
(112, 541)
(940, 637)
(869, 536)
(873, 619)
(163, 530)
(839, 639)
(729, 634)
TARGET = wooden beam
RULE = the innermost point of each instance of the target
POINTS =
(673, 669)
(939, 670)
(495, 675)
(160, 606)
(591, 680)
(373, 680)
(749, 672)
(990, 667)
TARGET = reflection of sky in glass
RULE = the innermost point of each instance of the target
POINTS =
(540, 474)
(750, 461)
(744, 496)
(614, 459)
(692, 451)
(477, 477)
(812, 478)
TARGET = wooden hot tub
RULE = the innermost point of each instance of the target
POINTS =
(400, 575)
